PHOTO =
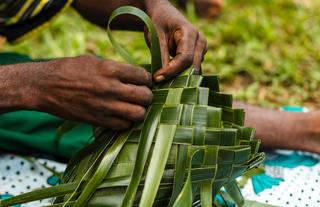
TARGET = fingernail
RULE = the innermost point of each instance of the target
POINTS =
(160, 78)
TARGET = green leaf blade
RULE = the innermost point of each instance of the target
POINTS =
(157, 163)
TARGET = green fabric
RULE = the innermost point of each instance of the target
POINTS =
(34, 132)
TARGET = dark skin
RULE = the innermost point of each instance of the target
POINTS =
(103, 92)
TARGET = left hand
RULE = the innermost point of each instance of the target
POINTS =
(178, 38)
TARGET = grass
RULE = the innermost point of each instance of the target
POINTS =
(265, 51)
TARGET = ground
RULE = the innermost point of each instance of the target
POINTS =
(265, 51)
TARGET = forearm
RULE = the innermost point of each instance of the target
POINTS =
(15, 90)
(98, 12)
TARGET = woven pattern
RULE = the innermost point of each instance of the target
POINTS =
(201, 119)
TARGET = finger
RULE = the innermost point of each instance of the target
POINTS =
(128, 111)
(199, 52)
(115, 123)
(147, 36)
(164, 48)
(186, 42)
(132, 74)
(163, 41)
(141, 95)
(165, 56)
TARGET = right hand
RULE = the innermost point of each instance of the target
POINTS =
(95, 91)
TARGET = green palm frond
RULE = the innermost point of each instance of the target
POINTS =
(191, 144)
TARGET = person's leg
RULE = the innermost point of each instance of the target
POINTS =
(284, 130)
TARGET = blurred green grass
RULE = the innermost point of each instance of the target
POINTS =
(265, 51)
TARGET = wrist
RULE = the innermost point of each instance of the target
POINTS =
(149, 5)
(16, 89)
(42, 78)
(35, 90)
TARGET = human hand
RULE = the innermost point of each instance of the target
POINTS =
(178, 38)
(95, 91)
